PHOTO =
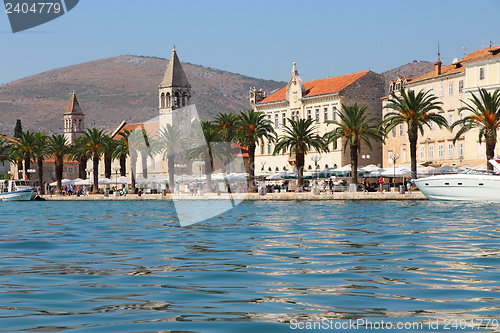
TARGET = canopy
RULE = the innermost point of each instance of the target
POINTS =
(82, 182)
(63, 182)
(105, 181)
(396, 172)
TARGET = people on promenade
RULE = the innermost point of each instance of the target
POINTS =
(408, 184)
(365, 186)
(381, 184)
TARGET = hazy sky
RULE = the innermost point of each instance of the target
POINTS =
(255, 38)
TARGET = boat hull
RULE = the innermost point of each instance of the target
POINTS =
(460, 187)
(21, 195)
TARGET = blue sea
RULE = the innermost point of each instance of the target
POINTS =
(338, 266)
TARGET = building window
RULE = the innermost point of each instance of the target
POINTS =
(269, 118)
(309, 114)
(460, 86)
(461, 115)
(70, 169)
(276, 120)
(440, 150)
(335, 144)
(293, 115)
(394, 132)
(398, 86)
(481, 73)
(450, 118)
(431, 91)
(262, 149)
(441, 90)
(283, 119)
(460, 149)
(422, 153)
(431, 125)
(334, 113)
(326, 114)
(450, 88)
(431, 151)
(269, 148)
(317, 115)
(401, 130)
(450, 149)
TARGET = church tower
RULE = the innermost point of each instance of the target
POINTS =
(175, 95)
(74, 125)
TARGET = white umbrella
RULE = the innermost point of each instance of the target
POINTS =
(371, 168)
(395, 172)
(122, 180)
(277, 176)
(105, 181)
(83, 182)
(63, 182)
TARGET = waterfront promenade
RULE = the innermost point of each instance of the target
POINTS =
(289, 196)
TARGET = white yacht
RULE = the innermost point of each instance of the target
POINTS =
(16, 190)
(471, 185)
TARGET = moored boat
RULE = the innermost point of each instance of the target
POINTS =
(471, 185)
(16, 190)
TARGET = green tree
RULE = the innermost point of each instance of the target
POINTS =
(18, 130)
(226, 123)
(121, 151)
(138, 143)
(108, 150)
(58, 147)
(170, 143)
(415, 110)
(485, 115)
(80, 153)
(298, 138)
(5, 150)
(205, 144)
(252, 127)
(355, 127)
(95, 139)
(25, 144)
(40, 150)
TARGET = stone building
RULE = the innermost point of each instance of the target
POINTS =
(322, 101)
(452, 84)
(74, 120)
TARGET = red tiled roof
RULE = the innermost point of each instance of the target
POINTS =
(319, 87)
(483, 54)
(149, 127)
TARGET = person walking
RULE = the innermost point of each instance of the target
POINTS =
(381, 184)
(408, 184)
(365, 186)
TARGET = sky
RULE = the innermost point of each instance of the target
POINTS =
(258, 38)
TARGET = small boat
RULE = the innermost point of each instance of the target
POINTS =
(16, 190)
(471, 185)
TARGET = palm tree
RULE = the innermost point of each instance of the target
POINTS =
(205, 144)
(58, 146)
(355, 127)
(95, 139)
(5, 151)
(25, 144)
(108, 150)
(171, 142)
(121, 151)
(252, 128)
(226, 123)
(414, 110)
(80, 153)
(39, 151)
(299, 137)
(485, 115)
(138, 142)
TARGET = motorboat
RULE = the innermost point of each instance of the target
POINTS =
(470, 185)
(16, 190)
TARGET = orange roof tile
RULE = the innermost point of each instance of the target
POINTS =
(482, 54)
(445, 70)
(319, 87)
(149, 127)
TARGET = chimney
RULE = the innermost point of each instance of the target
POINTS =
(437, 67)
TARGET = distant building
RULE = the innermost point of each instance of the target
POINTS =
(74, 120)
(452, 85)
(322, 101)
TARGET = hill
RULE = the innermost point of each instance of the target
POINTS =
(115, 89)
(126, 88)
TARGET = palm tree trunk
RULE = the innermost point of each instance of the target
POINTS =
(95, 165)
(144, 166)
(27, 164)
(171, 170)
(252, 188)
(133, 161)
(19, 168)
(300, 161)
(59, 172)
(413, 137)
(107, 165)
(123, 166)
(82, 167)
(354, 163)
(39, 162)
(490, 152)
(208, 173)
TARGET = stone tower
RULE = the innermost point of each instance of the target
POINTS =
(175, 95)
(74, 118)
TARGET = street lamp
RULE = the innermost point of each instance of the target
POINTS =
(30, 171)
(316, 158)
(394, 157)
(263, 163)
(365, 159)
(116, 168)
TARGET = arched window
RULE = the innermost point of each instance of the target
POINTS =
(162, 100)
(184, 99)
(177, 100)
(169, 102)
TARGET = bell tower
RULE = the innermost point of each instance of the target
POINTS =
(174, 94)
(74, 118)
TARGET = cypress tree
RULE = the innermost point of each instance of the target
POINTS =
(18, 130)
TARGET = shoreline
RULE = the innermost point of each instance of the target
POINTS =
(290, 196)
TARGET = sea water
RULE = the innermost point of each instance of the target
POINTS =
(260, 267)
